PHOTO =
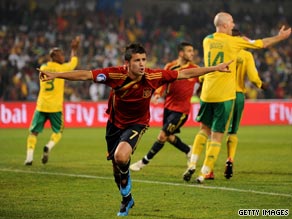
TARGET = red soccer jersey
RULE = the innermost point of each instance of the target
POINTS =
(179, 93)
(129, 100)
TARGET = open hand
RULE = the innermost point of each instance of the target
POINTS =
(284, 33)
(75, 43)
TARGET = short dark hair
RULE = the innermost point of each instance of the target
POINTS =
(182, 45)
(132, 49)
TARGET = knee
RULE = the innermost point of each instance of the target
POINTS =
(56, 137)
(123, 153)
(204, 129)
(121, 158)
(171, 139)
(162, 137)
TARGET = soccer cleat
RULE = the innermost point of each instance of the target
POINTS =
(45, 157)
(228, 169)
(200, 179)
(125, 191)
(137, 166)
(28, 162)
(188, 174)
(210, 176)
(125, 207)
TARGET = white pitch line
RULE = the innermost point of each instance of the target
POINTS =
(149, 182)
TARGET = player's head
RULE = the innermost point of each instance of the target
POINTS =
(185, 51)
(183, 45)
(236, 32)
(57, 55)
(132, 49)
(135, 59)
(224, 23)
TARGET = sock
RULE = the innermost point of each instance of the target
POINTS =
(207, 147)
(55, 138)
(29, 155)
(180, 145)
(124, 172)
(31, 142)
(198, 145)
(117, 177)
(117, 174)
(145, 160)
(211, 157)
(156, 147)
(232, 141)
(127, 198)
(30, 145)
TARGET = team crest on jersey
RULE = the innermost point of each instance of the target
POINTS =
(100, 77)
(147, 92)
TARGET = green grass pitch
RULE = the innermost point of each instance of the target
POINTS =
(77, 181)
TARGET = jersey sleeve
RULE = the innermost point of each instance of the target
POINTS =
(245, 43)
(111, 76)
(100, 75)
(72, 64)
(252, 72)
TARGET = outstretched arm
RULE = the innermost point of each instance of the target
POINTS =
(282, 35)
(195, 72)
(77, 75)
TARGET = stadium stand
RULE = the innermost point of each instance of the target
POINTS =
(29, 28)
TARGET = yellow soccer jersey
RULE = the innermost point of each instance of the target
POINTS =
(218, 48)
(245, 66)
(51, 94)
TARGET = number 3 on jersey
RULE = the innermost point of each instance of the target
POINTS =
(50, 85)
(217, 60)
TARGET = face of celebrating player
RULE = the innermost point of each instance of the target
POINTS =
(136, 66)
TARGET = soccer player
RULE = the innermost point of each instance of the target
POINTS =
(245, 68)
(50, 102)
(176, 106)
(219, 90)
(128, 106)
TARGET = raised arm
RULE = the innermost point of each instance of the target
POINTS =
(282, 35)
(195, 72)
(77, 75)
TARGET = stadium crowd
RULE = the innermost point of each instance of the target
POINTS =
(28, 29)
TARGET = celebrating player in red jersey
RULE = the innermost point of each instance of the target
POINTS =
(132, 87)
(176, 106)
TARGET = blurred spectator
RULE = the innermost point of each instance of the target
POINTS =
(97, 91)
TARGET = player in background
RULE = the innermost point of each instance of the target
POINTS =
(245, 69)
(177, 106)
(128, 106)
(219, 91)
(50, 102)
